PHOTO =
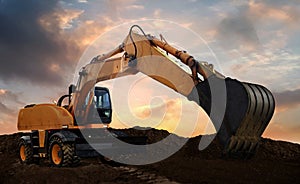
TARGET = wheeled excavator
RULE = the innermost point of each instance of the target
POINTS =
(240, 111)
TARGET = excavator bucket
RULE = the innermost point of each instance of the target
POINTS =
(249, 108)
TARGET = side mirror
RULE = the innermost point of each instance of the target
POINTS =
(72, 88)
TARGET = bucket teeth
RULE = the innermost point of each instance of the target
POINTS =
(253, 147)
(246, 145)
(232, 144)
(238, 145)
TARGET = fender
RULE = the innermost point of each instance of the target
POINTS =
(65, 136)
(26, 138)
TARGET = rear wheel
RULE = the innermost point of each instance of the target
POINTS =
(25, 152)
(61, 154)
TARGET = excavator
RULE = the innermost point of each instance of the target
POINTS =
(240, 111)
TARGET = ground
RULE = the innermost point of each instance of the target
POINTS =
(274, 162)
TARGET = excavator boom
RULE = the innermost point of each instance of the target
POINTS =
(240, 111)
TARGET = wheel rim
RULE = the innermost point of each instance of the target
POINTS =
(56, 154)
(22, 153)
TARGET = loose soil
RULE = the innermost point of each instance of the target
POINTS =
(274, 162)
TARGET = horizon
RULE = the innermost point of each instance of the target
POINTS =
(149, 128)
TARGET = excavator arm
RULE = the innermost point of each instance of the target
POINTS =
(240, 111)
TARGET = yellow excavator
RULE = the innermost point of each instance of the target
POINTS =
(239, 111)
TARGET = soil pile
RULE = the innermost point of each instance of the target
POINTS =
(274, 162)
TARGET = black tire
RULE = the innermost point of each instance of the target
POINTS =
(61, 154)
(25, 152)
(76, 161)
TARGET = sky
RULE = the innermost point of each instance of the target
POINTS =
(44, 43)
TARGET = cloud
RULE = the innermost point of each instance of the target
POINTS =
(116, 7)
(88, 31)
(281, 131)
(134, 7)
(171, 107)
(289, 13)
(6, 95)
(177, 115)
(8, 102)
(8, 113)
(236, 31)
(29, 51)
(242, 28)
(82, 1)
(63, 18)
(4, 109)
(8, 120)
(287, 99)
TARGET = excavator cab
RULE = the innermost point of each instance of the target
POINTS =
(100, 107)
(103, 104)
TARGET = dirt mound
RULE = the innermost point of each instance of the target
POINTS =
(275, 162)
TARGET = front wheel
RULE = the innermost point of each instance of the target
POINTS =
(61, 154)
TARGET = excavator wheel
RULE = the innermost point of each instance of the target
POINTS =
(62, 154)
(248, 110)
(25, 152)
